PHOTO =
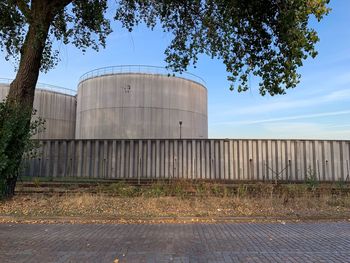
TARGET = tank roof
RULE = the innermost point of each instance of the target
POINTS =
(140, 69)
(44, 86)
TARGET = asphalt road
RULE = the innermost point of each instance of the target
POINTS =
(239, 242)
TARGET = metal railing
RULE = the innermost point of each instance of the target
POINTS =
(44, 86)
(120, 69)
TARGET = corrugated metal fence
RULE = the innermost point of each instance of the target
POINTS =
(288, 160)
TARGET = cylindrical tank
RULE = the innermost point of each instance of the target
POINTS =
(136, 105)
(56, 108)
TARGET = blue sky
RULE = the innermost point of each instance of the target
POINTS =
(318, 108)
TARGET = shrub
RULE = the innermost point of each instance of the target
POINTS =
(15, 133)
(311, 178)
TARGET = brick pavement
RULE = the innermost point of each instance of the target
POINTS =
(240, 242)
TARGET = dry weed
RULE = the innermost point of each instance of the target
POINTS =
(291, 201)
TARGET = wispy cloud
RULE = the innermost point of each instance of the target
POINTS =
(287, 118)
(340, 126)
(292, 129)
(304, 130)
(335, 96)
(288, 127)
(342, 79)
(288, 130)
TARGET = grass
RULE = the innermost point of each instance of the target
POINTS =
(185, 199)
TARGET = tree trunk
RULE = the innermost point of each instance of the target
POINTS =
(21, 94)
(23, 86)
(10, 187)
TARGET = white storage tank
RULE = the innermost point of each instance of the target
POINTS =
(56, 105)
(140, 102)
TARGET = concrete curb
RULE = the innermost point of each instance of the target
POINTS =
(166, 220)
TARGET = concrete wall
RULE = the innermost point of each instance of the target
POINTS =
(137, 106)
(261, 160)
(57, 109)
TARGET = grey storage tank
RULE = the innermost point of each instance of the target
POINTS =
(140, 102)
(56, 105)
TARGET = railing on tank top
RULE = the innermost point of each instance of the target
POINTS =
(44, 86)
(140, 69)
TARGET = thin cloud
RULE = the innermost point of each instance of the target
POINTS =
(339, 95)
(340, 126)
(295, 117)
(292, 127)
(305, 130)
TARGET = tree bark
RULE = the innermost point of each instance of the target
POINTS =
(10, 187)
(23, 86)
(21, 95)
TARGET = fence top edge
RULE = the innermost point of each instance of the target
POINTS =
(189, 139)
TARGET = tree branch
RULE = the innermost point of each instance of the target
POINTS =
(24, 8)
(59, 4)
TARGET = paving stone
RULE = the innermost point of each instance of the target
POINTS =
(246, 242)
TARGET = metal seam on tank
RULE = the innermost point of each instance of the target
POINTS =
(55, 119)
(44, 90)
(131, 107)
(54, 92)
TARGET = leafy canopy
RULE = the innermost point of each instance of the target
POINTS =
(269, 39)
(81, 23)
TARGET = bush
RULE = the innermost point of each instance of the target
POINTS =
(16, 130)
(122, 189)
(311, 178)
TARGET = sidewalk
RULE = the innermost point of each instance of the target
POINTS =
(240, 242)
